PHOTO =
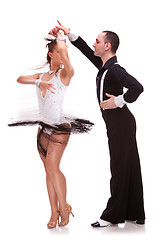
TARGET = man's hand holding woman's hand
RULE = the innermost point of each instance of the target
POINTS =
(55, 31)
(63, 28)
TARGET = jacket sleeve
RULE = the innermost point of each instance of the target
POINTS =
(88, 52)
(129, 82)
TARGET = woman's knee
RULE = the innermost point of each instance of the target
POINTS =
(51, 168)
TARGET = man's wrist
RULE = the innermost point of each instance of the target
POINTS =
(72, 37)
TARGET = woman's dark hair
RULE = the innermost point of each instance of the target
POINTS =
(52, 43)
(113, 39)
(51, 46)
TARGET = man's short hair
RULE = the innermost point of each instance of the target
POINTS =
(113, 39)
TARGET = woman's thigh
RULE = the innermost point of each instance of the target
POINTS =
(42, 144)
(55, 150)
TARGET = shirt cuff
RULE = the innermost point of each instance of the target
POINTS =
(72, 37)
(119, 101)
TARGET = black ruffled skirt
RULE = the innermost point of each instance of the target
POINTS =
(49, 132)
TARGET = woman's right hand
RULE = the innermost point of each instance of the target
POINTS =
(44, 86)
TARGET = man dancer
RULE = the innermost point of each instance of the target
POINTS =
(126, 201)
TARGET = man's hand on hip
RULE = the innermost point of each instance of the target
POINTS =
(110, 103)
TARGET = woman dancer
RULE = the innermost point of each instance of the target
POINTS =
(52, 138)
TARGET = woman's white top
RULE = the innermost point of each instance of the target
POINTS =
(50, 107)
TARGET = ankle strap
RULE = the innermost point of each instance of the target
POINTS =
(65, 209)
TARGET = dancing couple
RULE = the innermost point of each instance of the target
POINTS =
(126, 201)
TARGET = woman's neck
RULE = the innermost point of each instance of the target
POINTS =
(54, 67)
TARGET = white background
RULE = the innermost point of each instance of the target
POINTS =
(24, 205)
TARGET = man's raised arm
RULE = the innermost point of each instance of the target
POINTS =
(81, 45)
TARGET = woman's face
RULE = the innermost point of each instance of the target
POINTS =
(55, 57)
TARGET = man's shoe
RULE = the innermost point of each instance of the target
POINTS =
(141, 222)
(101, 223)
(96, 224)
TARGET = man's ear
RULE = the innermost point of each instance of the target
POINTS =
(107, 46)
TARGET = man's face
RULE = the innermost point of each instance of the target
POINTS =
(99, 45)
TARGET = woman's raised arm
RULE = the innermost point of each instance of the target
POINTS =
(67, 71)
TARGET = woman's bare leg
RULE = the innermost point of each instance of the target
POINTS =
(56, 182)
(54, 154)
(50, 187)
(51, 194)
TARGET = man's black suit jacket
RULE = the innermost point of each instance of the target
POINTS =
(116, 78)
